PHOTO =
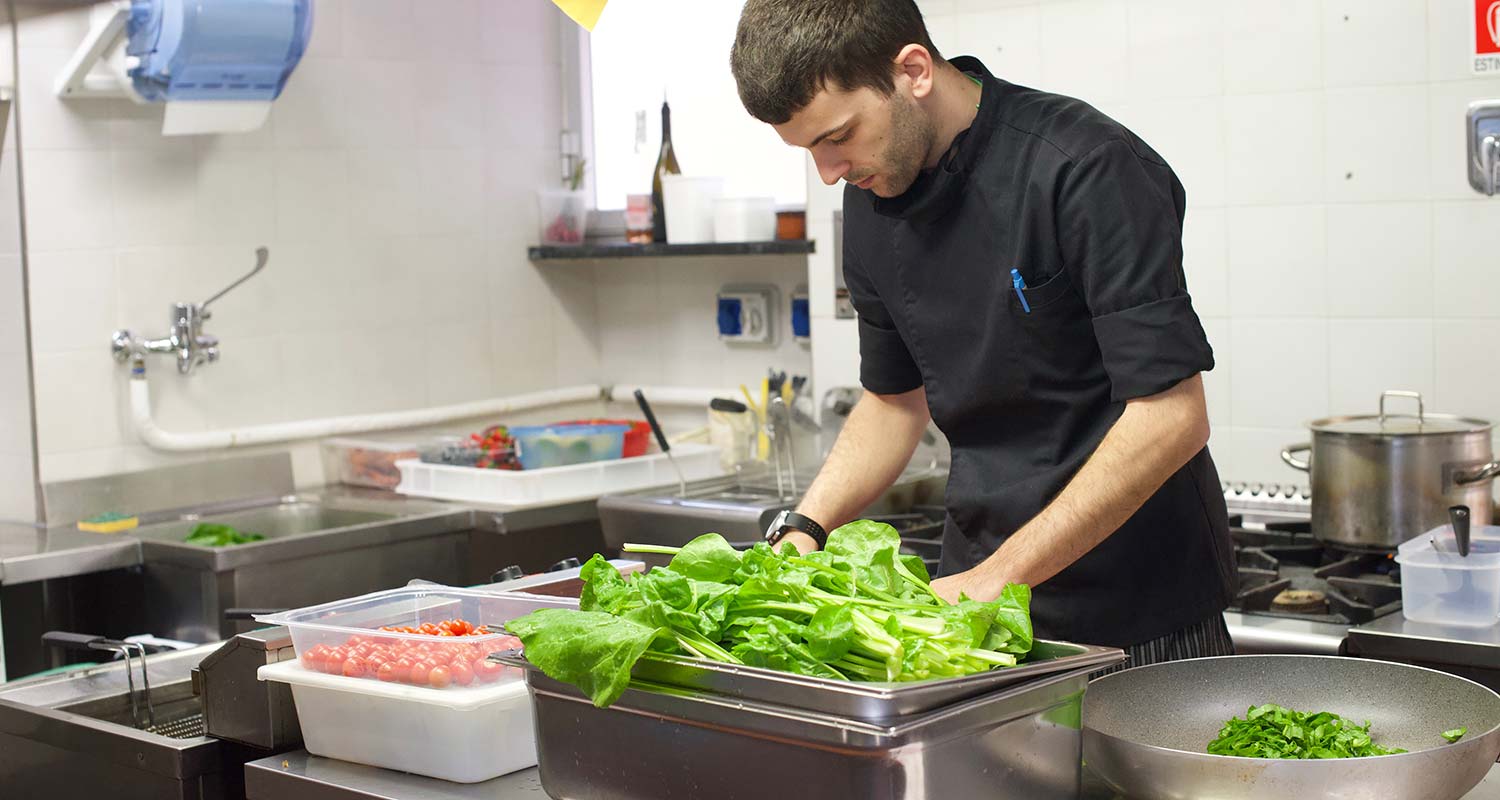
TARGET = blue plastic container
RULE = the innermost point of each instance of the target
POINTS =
(543, 446)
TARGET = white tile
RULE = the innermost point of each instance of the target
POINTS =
(820, 272)
(1379, 260)
(1008, 41)
(459, 362)
(1205, 259)
(1374, 42)
(524, 353)
(380, 103)
(512, 178)
(15, 407)
(78, 400)
(1465, 237)
(236, 195)
(1277, 262)
(1175, 47)
(68, 199)
(1448, 105)
(1279, 371)
(1387, 166)
(1275, 148)
(520, 32)
(628, 287)
(1083, 53)
(970, 6)
(1189, 133)
(243, 387)
(450, 186)
(328, 27)
(155, 196)
(1450, 41)
(1216, 382)
(379, 29)
(1467, 382)
(454, 277)
(930, 8)
(630, 349)
(73, 302)
(450, 105)
(1253, 455)
(12, 320)
(138, 127)
(1272, 46)
(522, 106)
(575, 326)
(447, 30)
(10, 213)
(310, 189)
(56, 30)
(312, 109)
(52, 124)
(941, 30)
(312, 283)
(1368, 356)
(17, 494)
(835, 353)
(385, 192)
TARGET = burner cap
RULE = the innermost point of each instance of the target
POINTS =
(1301, 601)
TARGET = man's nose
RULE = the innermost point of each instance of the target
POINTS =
(831, 171)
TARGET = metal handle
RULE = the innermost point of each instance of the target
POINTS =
(73, 641)
(1479, 475)
(249, 613)
(1286, 456)
(262, 255)
(1489, 164)
(1417, 396)
(1458, 519)
(661, 437)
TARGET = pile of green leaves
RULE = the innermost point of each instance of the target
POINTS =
(1270, 731)
(856, 610)
(209, 534)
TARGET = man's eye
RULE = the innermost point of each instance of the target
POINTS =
(839, 140)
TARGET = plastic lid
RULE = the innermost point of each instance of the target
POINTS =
(1400, 425)
(1439, 548)
(458, 698)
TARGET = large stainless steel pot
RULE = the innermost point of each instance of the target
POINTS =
(1380, 479)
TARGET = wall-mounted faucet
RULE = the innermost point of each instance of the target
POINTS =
(186, 339)
(1484, 146)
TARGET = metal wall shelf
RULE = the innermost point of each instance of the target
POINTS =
(620, 249)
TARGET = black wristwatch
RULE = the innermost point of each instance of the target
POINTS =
(792, 521)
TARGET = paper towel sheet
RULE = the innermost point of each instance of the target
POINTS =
(187, 118)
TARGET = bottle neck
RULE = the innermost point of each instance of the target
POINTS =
(666, 123)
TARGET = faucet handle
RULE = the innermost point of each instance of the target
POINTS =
(262, 255)
(122, 345)
(211, 354)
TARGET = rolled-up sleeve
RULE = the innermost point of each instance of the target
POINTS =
(886, 365)
(1121, 235)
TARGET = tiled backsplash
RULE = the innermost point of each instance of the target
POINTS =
(1332, 244)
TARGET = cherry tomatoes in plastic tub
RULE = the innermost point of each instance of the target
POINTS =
(439, 677)
(461, 673)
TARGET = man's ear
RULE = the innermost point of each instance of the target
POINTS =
(916, 64)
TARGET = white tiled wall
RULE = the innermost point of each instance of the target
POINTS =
(1333, 246)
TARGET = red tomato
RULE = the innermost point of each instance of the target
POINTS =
(439, 677)
(418, 675)
(403, 669)
(487, 671)
(312, 660)
(354, 667)
(355, 641)
(429, 628)
(387, 672)
(461, 672)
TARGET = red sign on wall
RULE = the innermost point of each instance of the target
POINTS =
(1486, 36)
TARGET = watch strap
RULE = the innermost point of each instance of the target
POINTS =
(792, 521)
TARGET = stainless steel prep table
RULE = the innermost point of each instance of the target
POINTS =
(34, 552)
(1473, 653)
(302, 776)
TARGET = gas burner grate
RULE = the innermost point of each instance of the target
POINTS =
(1285, 557)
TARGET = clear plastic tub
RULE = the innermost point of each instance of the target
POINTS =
(344, 638)
(466, 737)
(366, 462)
(1440, 586)
(545, 446)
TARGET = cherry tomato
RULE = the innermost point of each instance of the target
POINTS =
(355, 641)
(487, 671)
(387, 672)
(403, 669)
(461, 672)
(354, 667)
(418, 675)
(439, 677)
(429, 628)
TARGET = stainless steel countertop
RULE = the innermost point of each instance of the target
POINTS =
(1395, 636)
(298, 775)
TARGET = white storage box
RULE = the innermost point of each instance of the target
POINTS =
(466, 737)
(556, 484)
(1444, 588)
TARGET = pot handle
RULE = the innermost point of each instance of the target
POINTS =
(1417, 396)
(1286, 455)
(1478, 474)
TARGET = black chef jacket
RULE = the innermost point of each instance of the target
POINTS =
(1092, 218)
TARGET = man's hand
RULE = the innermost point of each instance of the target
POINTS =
(967, 583)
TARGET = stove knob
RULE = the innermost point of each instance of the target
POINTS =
(1305, 493)
(1239, 489)
(1255, 489)
(1288, 491)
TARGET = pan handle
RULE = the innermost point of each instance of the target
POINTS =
(1479, 474)
(1291, 461)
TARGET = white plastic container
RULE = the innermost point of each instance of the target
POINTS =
(1441, 587)
(465, 737)
(556, 484)
(744, 219)
(689, 203)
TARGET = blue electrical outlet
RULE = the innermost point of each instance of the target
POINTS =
(731, 316)
(801, 318)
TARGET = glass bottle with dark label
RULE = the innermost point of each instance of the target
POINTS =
(666, 164)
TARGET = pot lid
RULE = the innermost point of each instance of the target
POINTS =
(1400, 425)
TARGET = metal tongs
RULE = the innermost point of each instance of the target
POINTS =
(779, 430)
(90, 642)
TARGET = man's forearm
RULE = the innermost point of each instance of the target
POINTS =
(1150, 441)
(875, 445)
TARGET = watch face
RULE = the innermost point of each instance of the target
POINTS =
(773, 532)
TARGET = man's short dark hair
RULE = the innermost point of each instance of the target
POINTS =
(786, 51)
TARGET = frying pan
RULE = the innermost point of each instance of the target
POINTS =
(1146, 730)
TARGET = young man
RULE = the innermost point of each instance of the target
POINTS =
(1016, 261)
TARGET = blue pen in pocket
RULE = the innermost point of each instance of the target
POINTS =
(1020, 283)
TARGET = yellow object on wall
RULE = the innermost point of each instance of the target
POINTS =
(583, 12)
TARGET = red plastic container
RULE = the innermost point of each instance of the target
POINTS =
(637, 439)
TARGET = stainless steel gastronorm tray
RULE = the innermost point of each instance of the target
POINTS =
(859, 699)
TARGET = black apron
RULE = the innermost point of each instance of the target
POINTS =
(1091, 218)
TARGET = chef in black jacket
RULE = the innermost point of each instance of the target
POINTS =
(1015, 258)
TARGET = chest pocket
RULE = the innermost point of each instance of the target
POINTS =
(1059, 349)
(1052, 291)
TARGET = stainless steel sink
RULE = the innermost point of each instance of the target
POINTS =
(292, 518)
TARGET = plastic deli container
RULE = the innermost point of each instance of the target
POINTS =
(1442, 587)
(344, 638)
(544, 446)
(466, 737)
(366, 462)
(637, 439)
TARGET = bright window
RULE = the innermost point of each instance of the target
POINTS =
(642, 49)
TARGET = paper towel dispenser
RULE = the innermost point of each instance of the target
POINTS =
(217, 64)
